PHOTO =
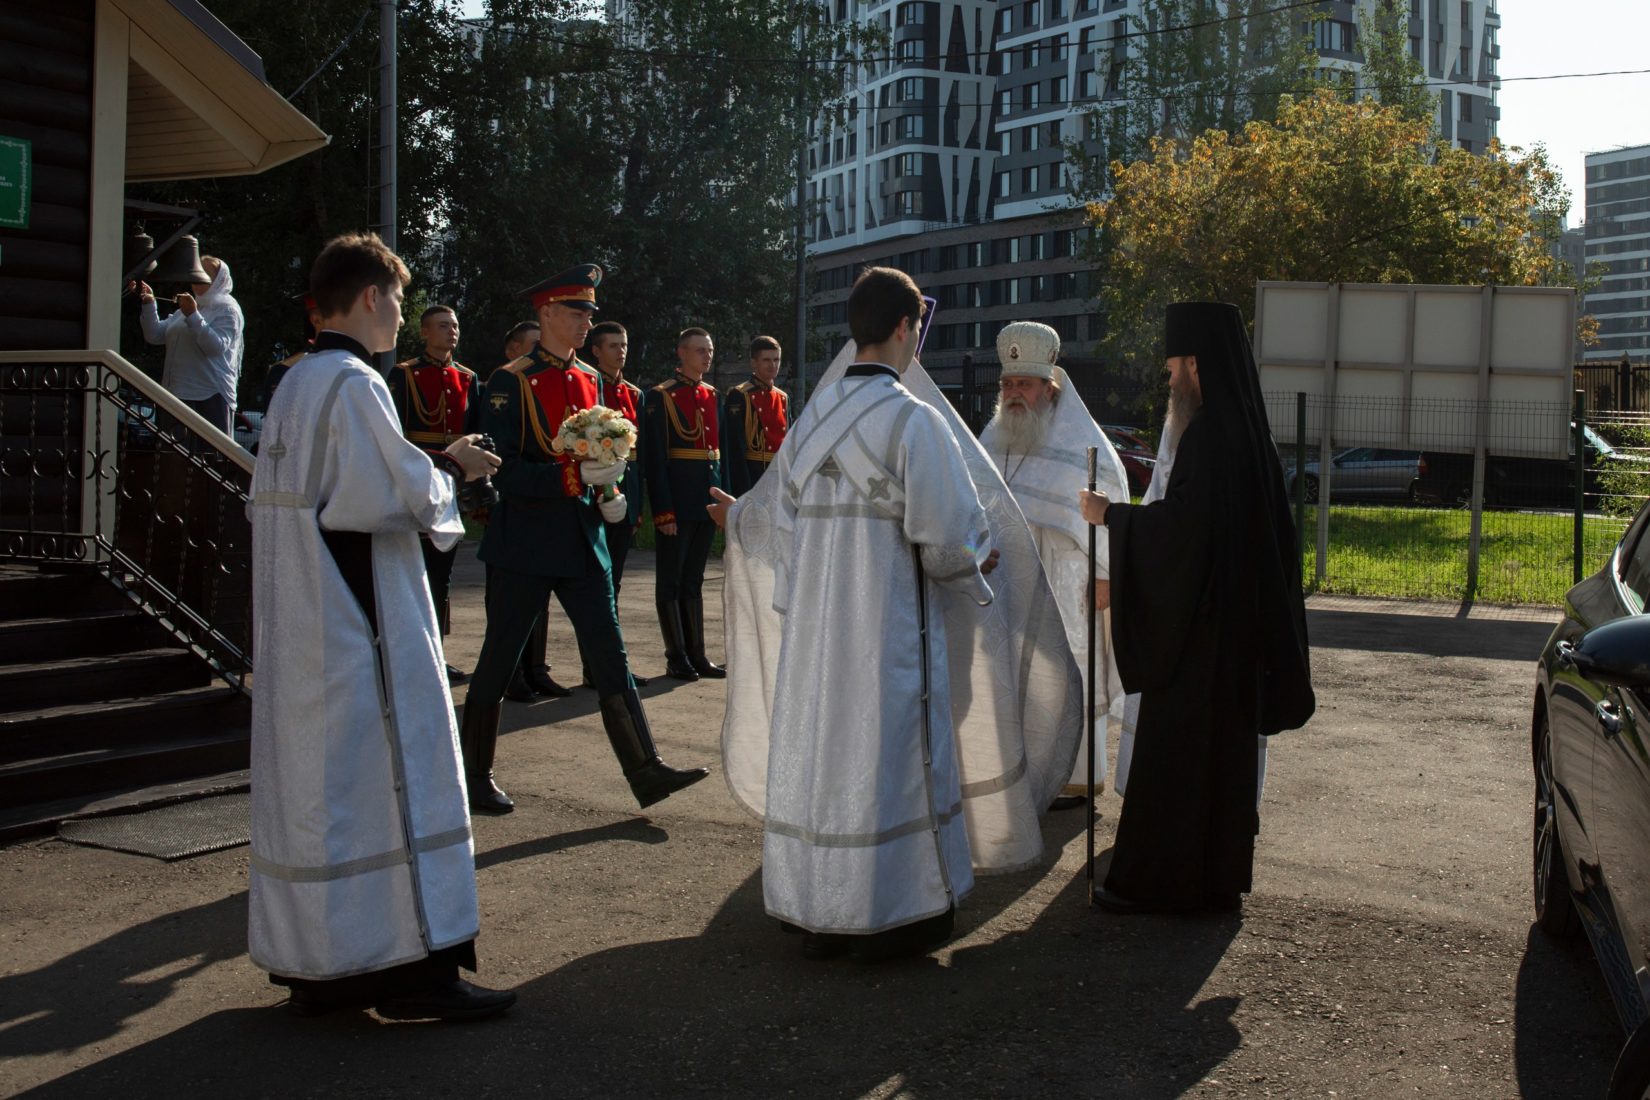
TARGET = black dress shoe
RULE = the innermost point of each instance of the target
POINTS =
(455, 1000)
(539, 680)
(517, 690)
(305, 1003)
(824, 945)
(683, 672)
(487, 798)
(1067, 802)
(917, 938)
(639, 681)
(455, 676)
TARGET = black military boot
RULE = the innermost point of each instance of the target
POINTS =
(478, 738)
(676, 659)
(693, 632)
(535, 660)
(651, 779)
(517, 690)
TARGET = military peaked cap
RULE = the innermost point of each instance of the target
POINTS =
(576, 287)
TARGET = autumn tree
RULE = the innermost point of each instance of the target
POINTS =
(1331, 191)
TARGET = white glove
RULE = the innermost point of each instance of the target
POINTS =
(614, 508)
(601, 473)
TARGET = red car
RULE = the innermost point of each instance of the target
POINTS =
(1139, 457)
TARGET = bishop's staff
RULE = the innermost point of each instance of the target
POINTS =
(1094, 459)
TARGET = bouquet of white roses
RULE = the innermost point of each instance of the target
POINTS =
(597, 435)
(602, 439)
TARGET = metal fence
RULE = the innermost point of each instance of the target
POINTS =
(1401, 522)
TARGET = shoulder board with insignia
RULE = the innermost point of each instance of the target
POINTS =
(745, 386)
(580, 364)
(629, 385)
(516, 366)
(408, 364)
(462, 369)
(666, 386)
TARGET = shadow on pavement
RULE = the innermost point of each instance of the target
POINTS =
(1567, 1035)
(1429, 636)
(87, 997)
(736, 1011)
(637, 830)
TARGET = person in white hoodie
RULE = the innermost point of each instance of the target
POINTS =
(203, 339)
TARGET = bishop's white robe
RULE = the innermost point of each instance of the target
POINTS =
(894, 725)
(1045, 484)
(361, 850)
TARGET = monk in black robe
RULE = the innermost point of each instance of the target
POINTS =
(1208, 625)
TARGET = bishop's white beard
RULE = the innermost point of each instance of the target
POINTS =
(1022, 429)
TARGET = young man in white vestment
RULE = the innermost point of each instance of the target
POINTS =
(870, 522)
(1039, 437)
(363, 889)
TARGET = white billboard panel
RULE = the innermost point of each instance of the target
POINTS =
(1410, 366)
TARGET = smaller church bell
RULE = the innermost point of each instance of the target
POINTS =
(138, 247)
(180, 263)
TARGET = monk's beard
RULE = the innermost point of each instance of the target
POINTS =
(1021, 428)
(1184, 405)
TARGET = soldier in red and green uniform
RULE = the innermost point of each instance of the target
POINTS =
(680, 451)
(755, 417)
(610, 347)
(438, 400)
(546, 535)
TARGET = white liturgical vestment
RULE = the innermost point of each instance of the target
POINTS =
(896, 719)
(1045, 484)
(361, 851)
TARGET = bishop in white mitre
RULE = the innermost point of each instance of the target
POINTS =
(1039, 437)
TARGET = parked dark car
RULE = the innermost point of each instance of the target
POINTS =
(1363, 473)
(1522, 482)
(1590, 745)
(1139, 459)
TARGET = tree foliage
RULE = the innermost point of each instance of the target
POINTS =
(1331, 191)
(530, 140)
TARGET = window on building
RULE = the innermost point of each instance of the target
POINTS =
(1056, 9)
(1466, 108)
(910, 51)
(910, 126)
(1057, 91)
(1028, 180)
(1016, 252)
(1005, 21)
(1004, 103)
(912, 13)
(1088, 84)
(1002, 185)
(1083, 37)
(1031, 13)
(906, 203)
(910, 164)
(910, 88)
(1031, 97)
(1028, 139)
(1057, 47)
(1334, 35)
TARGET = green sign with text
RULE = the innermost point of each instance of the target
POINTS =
(16, 163)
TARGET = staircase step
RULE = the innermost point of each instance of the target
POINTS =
(28, 594)
(64, 776)
(110, 723)
(71, 680)
(37, 818)
(78, 634)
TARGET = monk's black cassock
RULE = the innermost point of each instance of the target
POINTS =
(1208, 625)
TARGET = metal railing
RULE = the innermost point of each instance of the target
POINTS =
(102, 466)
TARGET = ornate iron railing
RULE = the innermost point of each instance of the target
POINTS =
(102, 466)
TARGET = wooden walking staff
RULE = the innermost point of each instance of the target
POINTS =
(1094, 615)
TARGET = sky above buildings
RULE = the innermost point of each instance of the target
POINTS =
(1541, 38)
(1574, 117)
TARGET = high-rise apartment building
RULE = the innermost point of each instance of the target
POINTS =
(1618, 237)
(948, 159)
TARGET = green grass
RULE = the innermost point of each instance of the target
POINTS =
(1421, 553)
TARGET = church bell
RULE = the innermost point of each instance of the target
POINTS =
(136, 261)
(180, 263)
